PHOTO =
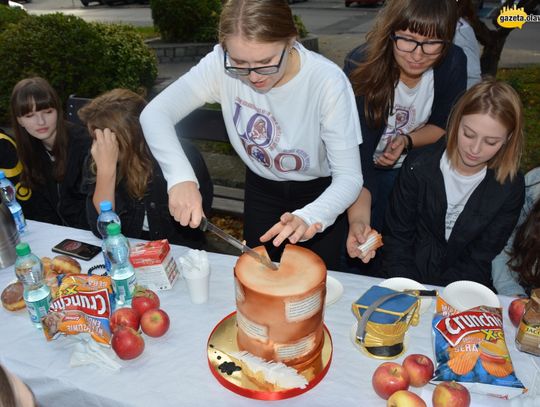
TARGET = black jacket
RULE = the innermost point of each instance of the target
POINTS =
(58, 203)
(450, 81)
(414, 235)
(155, 203)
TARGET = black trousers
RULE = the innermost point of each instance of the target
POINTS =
(265, 201)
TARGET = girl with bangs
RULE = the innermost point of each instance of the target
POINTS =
(51, 151)
(456, 202)
(406, 77)
(123, 171)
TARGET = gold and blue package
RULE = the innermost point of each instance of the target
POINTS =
(384, 315)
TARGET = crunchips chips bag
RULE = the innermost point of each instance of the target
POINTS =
(83, 304)
(470, 348)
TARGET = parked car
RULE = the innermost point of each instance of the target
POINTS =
(363, 2)
(85, 3)
(14, 4)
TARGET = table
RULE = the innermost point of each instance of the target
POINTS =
(173, 369)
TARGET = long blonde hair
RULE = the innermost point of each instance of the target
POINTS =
(119, 110)
(257, 20)
(501, 102)
(377, 77)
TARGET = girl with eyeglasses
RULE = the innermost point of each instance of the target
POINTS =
(46, 159)
(290, 116)
(456, 202)
(406, 78)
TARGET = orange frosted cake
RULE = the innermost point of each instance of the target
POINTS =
(280, 312)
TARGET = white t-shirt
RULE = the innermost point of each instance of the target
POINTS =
(458, 188)
(305, 129)
(412, 108)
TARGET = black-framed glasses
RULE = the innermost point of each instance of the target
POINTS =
(261, 70)
(408, 45)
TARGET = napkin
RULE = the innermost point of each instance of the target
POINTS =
(194, 264)
(87, 351)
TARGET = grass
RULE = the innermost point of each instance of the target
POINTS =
(526, 81)
(147, 32)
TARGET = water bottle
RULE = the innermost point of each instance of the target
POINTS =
(7, 190)
(106, 217)
(37, 294)
(122, 272)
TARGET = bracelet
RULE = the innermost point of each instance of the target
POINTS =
(409, 145)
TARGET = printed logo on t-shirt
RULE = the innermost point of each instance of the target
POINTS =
(260, 135)
(401, 122)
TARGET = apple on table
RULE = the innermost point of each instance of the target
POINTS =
(155, 322)
(388, 378)
(451, 394)
(420, 369)
(405, 398)
(516, 309)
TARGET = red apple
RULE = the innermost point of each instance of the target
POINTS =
(127, 343)
(516, 309)
(143, 300)
(388, 378)
(405, 398)
(420, 369)
(451, 394)
(155, 322)
(124, 317)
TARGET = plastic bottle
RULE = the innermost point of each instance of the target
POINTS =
(8, 193)
(106, 217)
(37, 294)
(122, 272)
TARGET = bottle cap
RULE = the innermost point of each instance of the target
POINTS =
(113, 229)
(2, 175)
(22, 249)
(105, 206)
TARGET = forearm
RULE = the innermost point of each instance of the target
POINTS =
(105, 188)
(425, 135)
(360, 210)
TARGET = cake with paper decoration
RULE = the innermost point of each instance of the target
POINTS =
(280, 312)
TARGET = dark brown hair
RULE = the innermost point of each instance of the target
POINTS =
(37, 93)
(501, 102)
(7, 395)
(119, 111)
(525, 252)
(377, 77)
(257, 20)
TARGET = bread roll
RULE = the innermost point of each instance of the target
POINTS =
(12, 297)
(62, 264)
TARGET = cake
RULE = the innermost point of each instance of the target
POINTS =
(280, 312)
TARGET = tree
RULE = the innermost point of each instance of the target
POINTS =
(494, 39)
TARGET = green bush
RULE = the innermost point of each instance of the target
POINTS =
(186, 20)
(74, 56)
(302, 30)
(10, 15)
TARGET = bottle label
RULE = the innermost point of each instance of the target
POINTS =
(20, 221)
(123, 289)
(38, 309)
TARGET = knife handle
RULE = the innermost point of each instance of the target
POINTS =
(204, 224)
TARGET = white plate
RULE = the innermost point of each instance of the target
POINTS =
(334, 290)
(402, 283)
(463, 295)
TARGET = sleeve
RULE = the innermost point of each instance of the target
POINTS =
(466, 40)
(450, 83)
(192, 90)
(400, 224)
(340, 129)
(476, 262)
(505, 280)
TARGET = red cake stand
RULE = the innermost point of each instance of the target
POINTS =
(222, 341)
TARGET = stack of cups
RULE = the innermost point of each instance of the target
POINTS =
(196, 272)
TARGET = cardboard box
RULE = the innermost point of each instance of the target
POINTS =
(154, 265)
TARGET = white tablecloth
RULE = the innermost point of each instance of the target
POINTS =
(173, 370)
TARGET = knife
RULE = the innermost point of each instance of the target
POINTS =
(206, 225)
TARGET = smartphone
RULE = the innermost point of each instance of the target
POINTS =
(80, 250)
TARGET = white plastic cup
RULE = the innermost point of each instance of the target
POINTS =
(198, 286)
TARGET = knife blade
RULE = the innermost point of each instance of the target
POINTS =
(206, 225)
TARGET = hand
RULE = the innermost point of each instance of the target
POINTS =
(292, 227)
(105, 151)
(392, 152)
(185, 204)
(358, 233)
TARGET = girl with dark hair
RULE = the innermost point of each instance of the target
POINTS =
(291, 118)
(516, 270)
(52, 152)
(406, 78)
(456, 202)
(123, 171)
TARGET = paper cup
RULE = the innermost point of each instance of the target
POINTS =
(198, 287)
